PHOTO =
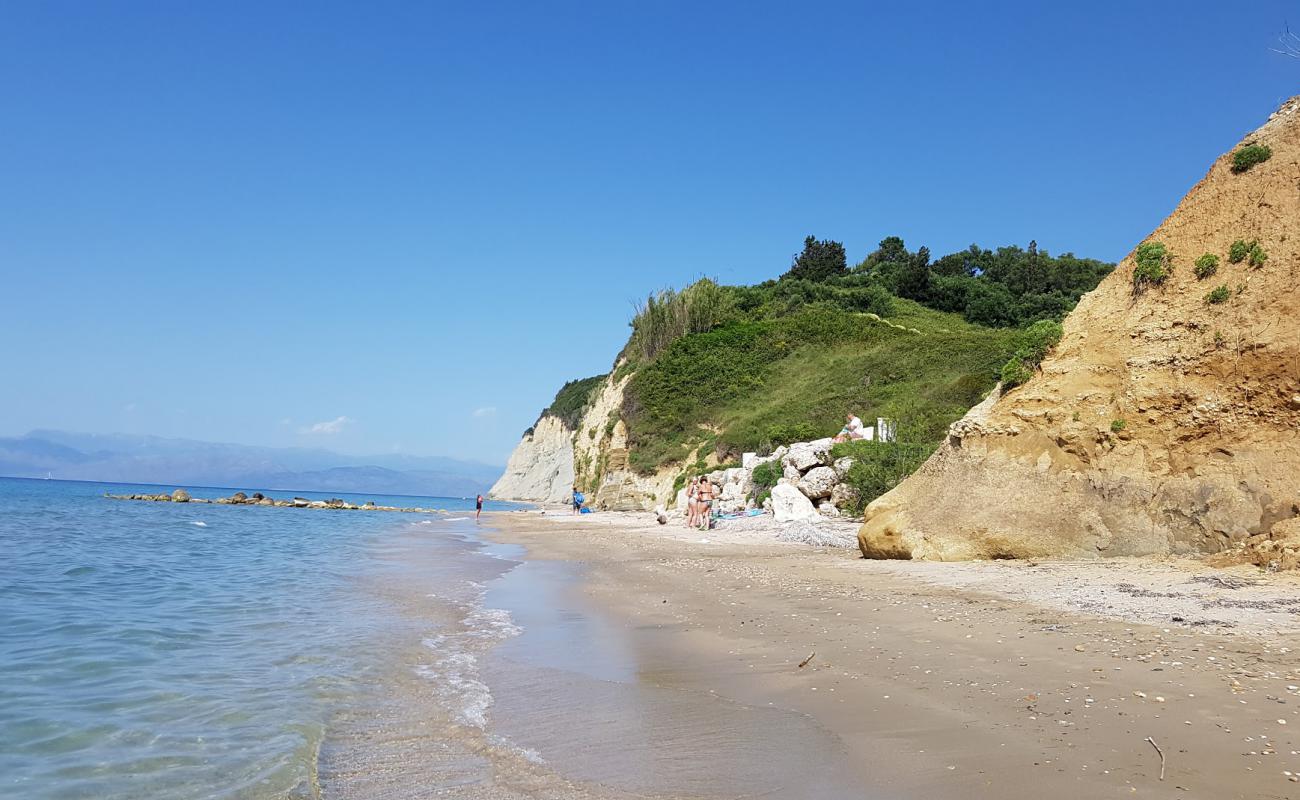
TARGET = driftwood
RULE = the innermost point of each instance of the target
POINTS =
(1162, 756)
(804, 663)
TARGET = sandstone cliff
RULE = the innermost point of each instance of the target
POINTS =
(1163, 422)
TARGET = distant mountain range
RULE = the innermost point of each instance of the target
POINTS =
(126, 458)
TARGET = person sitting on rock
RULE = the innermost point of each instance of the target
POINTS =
(852, 430)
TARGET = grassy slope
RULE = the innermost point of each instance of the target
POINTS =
(755, 385)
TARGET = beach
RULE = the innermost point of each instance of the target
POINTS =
(982, 679)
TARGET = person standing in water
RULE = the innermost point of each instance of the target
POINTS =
(478, 507)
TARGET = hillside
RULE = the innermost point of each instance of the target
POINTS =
(711, 372)
(1168, 418)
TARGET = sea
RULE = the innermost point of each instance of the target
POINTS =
(183, 650)
(188, 650)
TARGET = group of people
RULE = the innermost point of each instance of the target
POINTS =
(700, 494)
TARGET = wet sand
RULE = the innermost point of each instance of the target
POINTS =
(680, 676)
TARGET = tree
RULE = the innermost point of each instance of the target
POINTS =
(913, 281)
(819, 261)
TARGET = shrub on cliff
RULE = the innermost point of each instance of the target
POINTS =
(1206, 265)
(668, 315)
(1250, 155)
(1239, 250)
(1032, 346)
(1153, 265)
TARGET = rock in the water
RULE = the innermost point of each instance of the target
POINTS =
(818, 482)
(300, 502)
(180, 496)
(790, 505)
(238, 497)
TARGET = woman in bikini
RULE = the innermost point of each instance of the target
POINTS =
(692, 491)
(705, 494)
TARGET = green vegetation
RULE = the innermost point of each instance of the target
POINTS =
(1250, 155)
(1032, 347)
(1240, 249)
(765, 477)
(572, 399)
(1117, 425)
(1219, 294)
(1206, 265)
(819, 260)
(1153, 266)
(879, 467)
(722, 370)
(1257, 256)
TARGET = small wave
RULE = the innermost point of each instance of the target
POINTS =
(454, 671)
(199, 523)
(455, 519)
(76, 572)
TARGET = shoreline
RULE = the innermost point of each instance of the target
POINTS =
(1066, 668)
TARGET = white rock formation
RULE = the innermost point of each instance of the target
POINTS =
(540, 469)
(818, 482)
(790, 505)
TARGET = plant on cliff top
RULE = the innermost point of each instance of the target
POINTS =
(1257, 256)
(819, 260)
(1206, 265)
(1250, 155)
(1117, 425)
(1153, 265)
(1219, 294)
(571, 400)
(1239, 250)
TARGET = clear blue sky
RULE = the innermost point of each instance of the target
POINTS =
(238, 220)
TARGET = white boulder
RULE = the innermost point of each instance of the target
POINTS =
(828, 509)
(818, 482)
(842, 466)
(790, 505)
(791, 472)
(844, 495)
(806, 455)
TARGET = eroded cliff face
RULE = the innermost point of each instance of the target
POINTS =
(601, 454)
(1163, 423)
(540, 469)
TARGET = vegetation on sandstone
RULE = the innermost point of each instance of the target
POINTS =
(1240, 249)
(1219, 294)
(1256, 257)
(1153, 265)
(1206, 265)
(1118, 425)
(1032, 347)
(1246, 157)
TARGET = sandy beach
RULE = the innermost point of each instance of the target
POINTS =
(1006, 679)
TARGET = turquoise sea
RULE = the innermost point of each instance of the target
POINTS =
(167, 650)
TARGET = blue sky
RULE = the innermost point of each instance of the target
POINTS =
(401, 226)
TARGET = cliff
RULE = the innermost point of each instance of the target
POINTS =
(540, 469)
(1168, 418)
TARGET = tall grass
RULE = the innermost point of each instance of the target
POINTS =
(668, 315)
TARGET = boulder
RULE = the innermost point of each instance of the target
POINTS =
(317, 504)
(238, 497)
(790, 505)
(792, 472)
(180, 496)
(844, 495)
(818, 482)
(842, 466)
(828, 509)
(300, 502)
(779, 453)
(806, 455)
(680, 504)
